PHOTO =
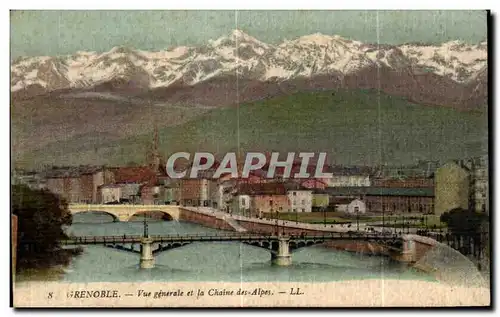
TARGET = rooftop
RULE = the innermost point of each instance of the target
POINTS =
(341, 201)
(380, 191)
(261, 189)
(134, 174)
(337, 170)
(71, 171)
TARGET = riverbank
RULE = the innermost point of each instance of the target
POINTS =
(360, 246)
(427, 266)
(351, 293)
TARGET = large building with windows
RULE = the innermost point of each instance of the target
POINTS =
(78, 184)
(477, 169)
(400, 200)
(463, 184)
(300, 199)
(198, 192)
(387, 199)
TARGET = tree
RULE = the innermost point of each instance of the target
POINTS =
(465, 225)
(462, 220)
(41, 217)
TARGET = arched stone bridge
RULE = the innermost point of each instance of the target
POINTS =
(125, 212)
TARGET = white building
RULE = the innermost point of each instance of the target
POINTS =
(300, 200)
(241, 205)
(349, 177)
(224, 194)
(110, 193)
(356, 207)
(351, 206)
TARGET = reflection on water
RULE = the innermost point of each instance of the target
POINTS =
(214, 261)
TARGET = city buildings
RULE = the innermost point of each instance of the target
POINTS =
(404, 182)
(463, 184)
(31, 179)
(477, 168)
(198, 192)
(300, 198)
(110, 193)
(350, 206)
(320, 200)
(349, 176)
(264, 198)
(388, 200)
(313, 183)
(455, 184)
(78, 184)
(400, 200)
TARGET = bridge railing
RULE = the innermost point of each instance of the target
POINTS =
(223, 237)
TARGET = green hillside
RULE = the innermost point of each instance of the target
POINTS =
(354, 127)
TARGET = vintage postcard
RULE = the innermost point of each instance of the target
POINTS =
(245, 158)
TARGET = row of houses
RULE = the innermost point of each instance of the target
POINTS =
(455, 184)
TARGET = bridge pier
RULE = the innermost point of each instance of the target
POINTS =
(282, 257)
(147, 258)
(407, 254)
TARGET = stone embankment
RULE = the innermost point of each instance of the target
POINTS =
(204, 216)
(213, 218)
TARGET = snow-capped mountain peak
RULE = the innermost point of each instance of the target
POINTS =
(245, 56)
(316, 38)
(237, 38)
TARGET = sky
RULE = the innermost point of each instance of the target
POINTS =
(35, 33)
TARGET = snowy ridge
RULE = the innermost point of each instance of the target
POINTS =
(242, 54)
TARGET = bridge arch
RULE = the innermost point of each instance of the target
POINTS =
(264, 246)
(123, 212)
(157, 214)
(101, 212)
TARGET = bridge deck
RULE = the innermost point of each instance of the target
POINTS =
(76, 240)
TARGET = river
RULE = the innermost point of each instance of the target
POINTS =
(214, 261)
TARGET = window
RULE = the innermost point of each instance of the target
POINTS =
(294, 194)
(303, 202)
(243, 201)
(294, 210)
(303, 210)
(356, 209)
(270, 202)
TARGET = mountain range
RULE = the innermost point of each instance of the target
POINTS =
(119, 93)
